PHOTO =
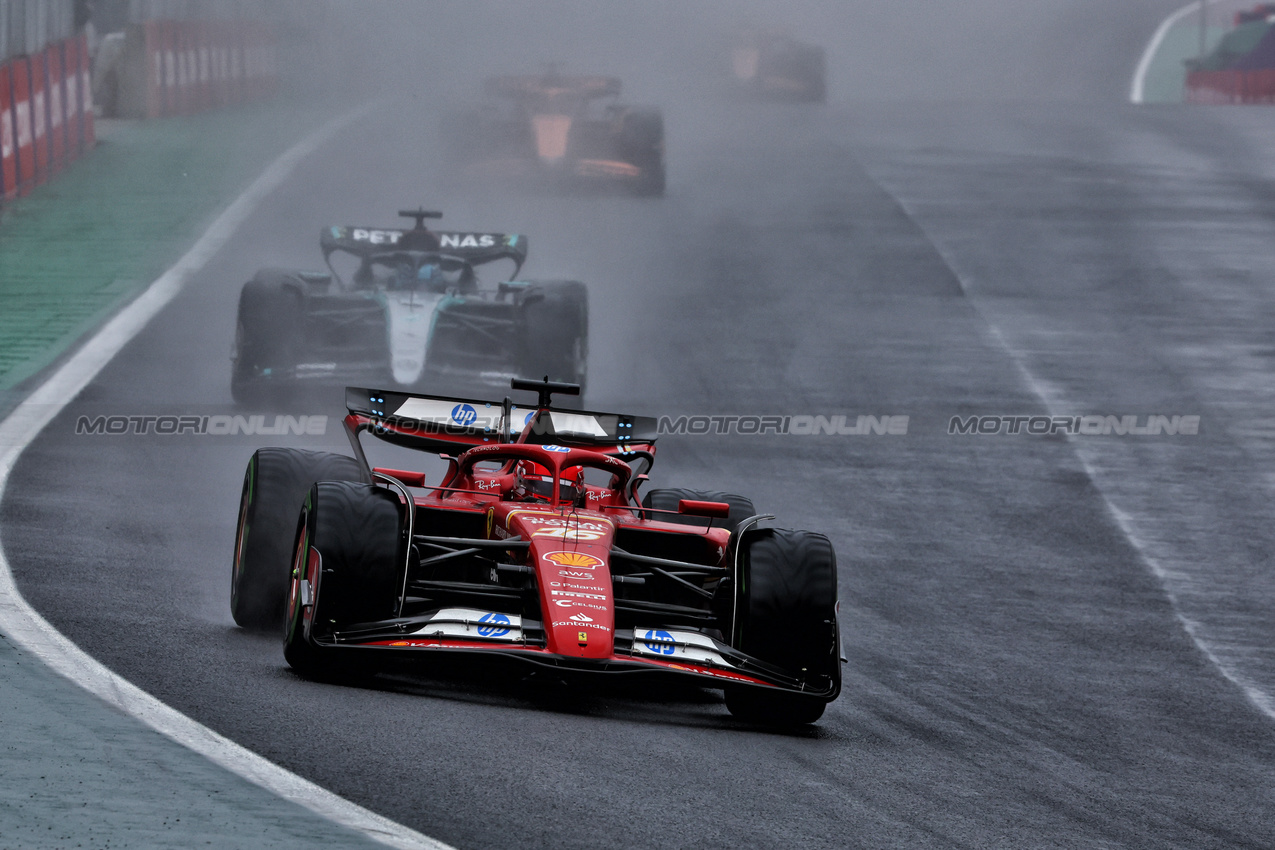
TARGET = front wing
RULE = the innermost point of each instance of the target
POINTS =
(654, 650)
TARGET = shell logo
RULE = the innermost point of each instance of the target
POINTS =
(574, 559)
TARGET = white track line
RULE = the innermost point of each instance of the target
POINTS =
(1261, 700)
(20, 621)
(1137, 90)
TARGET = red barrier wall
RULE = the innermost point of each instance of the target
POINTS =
(153, 48)
(8, 145)
(186, 76)
(55, 84)
(39, 118)
(88, 133)
(1213, 87)
(20, 90)
(168, 46)
(71, 69)
(190, 67)
(203, 65)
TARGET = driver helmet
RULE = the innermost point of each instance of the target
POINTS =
(431, 275)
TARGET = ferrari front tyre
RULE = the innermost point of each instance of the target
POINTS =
(741, 508)
(268, 332)
(556, 332)
(275, 484)
(786, 616)
(350, 548)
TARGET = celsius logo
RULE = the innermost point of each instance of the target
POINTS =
(464, 414)
(658, 640)
(497, 625)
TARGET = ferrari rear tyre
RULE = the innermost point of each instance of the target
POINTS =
(741, 508)
(556, 332)
(786, 616)
(275, 484)
(350, 547)
(268, 334)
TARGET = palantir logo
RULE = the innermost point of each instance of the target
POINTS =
(658, 640)
(497, 627)
(464, 415)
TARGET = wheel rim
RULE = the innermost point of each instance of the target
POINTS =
(241, 536)
(294, 584)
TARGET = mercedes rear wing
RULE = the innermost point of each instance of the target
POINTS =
(472, 247)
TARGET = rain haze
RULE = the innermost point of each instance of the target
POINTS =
(951, 324)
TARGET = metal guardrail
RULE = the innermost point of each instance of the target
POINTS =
(26, 26)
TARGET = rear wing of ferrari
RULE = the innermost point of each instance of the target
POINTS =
(445, 423)
(548, 85)
(475, 248)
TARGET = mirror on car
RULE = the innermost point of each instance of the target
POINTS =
(695, 507)
(411, 479)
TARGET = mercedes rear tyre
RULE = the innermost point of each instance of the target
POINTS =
(786, 616)
(556, 333)
(741, 508)
(275, 484)
(350, 551)
(268, 333)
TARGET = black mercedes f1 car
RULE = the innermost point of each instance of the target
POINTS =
(412, 313)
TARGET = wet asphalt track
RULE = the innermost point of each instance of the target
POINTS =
(1020, 673)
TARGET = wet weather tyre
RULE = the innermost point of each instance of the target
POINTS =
(741, 508)
(556, 333)
(350, 547)
(642, 138)
(268, 335)
(786, 616)
(275, 485)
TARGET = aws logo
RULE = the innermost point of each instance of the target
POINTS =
(578, 560)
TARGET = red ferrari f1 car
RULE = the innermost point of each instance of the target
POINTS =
(535, 545)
